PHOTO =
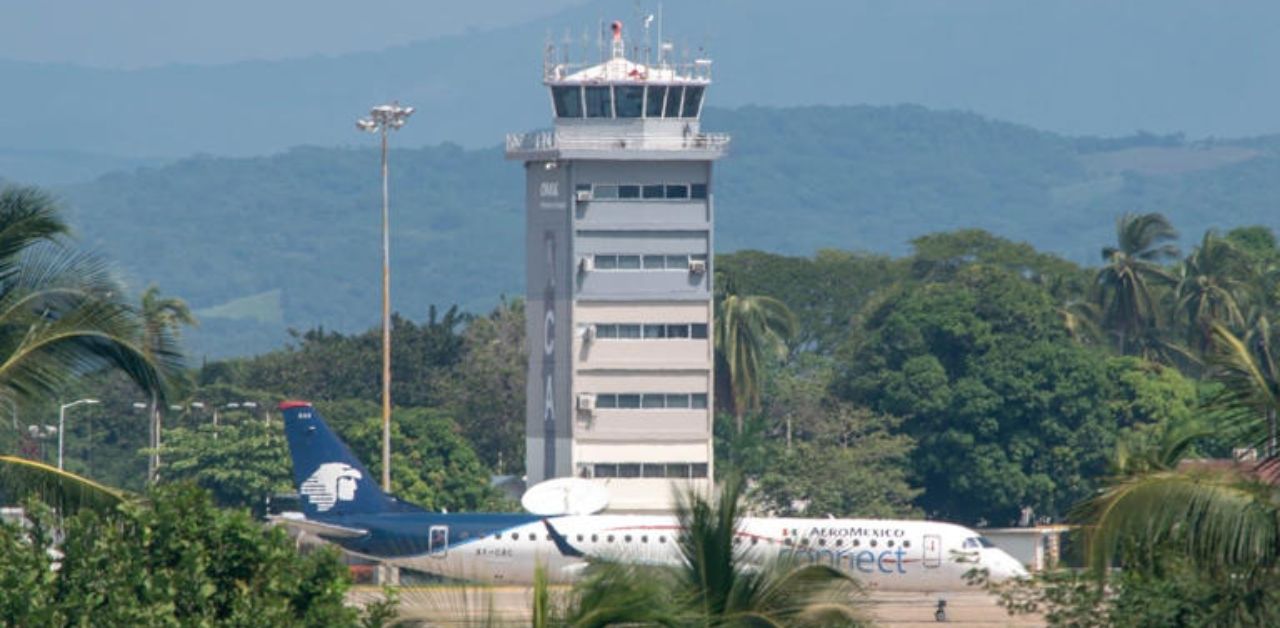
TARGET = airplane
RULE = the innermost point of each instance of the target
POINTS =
(342, 504)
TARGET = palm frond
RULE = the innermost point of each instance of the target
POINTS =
(65, 492)
(1220, 518)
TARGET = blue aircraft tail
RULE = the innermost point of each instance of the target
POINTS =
(330, 479)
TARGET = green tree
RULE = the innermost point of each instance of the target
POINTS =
(485, 390)
(433, 466)
(748, 329)
(1211, 287)
(172, 559)
(242, 461)
(1131, 273)
(987, 380)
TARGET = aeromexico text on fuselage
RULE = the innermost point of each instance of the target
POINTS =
(342, 503)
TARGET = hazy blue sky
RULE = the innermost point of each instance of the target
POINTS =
(141, 33)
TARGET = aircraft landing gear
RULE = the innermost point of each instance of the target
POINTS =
(941, 613)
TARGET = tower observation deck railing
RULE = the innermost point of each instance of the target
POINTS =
(550, 140)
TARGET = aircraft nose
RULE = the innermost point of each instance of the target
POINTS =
(1001, 566)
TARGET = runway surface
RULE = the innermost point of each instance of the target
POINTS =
(478, 606)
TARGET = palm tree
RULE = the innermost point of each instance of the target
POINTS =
(1226, 521)
(1249, 373)
(1131, 272)
(1211, 286)
(162, 322)
(61, 315)
(748, 329)
(717, 582)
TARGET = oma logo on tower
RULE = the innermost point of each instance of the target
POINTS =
(331, 483)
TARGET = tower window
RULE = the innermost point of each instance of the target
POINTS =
(629, 470)
(657, 96)
(698, 190)
(698, 401)
(677, 191)
(654, 470)
(692, 100)
(606, 471)
(678, 401)
(605, 192)
(628, 191)
(568, 101)
(677, 470)
(628, 262)
(673, 102)
(629, 401)
(630, 100)
(653, 191)
(599, 102)
(698, 330)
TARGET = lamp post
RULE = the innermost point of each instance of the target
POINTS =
(383, 119)
(62, 423)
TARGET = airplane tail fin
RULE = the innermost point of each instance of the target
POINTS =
(329, 478)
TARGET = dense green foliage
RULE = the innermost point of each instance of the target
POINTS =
(172, 560)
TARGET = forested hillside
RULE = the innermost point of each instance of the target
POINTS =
(258, 245)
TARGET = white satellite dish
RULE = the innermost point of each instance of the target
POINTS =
(565, 496)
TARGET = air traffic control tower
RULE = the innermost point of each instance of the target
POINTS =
(618, 246)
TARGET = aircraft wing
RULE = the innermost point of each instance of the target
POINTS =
(316, 527)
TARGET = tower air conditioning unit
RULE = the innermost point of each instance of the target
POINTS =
(588, 333)
(697, 266)
(587, 264)
(583, 196)
(586, 402)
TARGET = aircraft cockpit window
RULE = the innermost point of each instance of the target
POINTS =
(985, 542)
(977, 542)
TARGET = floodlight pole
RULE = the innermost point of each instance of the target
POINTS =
(62, 423)
(383, 119)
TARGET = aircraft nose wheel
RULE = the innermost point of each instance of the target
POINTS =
(941, 613)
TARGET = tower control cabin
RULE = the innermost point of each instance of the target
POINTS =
(618, 248)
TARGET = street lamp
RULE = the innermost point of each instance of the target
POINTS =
(62, 422)
(383, 119)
